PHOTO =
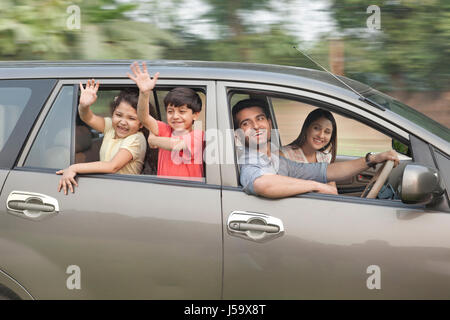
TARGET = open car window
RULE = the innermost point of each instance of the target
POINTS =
(64, 139)
(354, 138)
(88, 141)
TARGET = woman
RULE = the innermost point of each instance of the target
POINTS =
(317, 141)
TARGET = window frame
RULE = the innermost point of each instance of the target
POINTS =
(230, 173)
(212, 178)
(41, 89)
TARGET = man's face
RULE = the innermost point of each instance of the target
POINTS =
(255, 125)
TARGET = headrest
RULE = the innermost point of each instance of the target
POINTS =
(83, 139)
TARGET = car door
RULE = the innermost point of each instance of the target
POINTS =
(117, 236)
(20, 103)
(316, 246)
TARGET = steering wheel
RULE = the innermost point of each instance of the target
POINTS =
(378, 180)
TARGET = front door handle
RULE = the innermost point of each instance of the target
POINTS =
(30, 205)
(254, 226)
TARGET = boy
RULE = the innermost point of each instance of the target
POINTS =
(180, 147)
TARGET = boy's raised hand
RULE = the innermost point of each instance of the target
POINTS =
(89, 94)
(142, 78)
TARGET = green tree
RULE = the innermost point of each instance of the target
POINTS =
(238, 38)
(38, 30)
(412, 47)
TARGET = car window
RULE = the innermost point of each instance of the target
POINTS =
(12, 103)
(353, 137)
(410, 114)
(51, 148)
(88, 141)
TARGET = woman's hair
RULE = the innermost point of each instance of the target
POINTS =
(313, 116)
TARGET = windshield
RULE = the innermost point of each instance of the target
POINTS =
(409, 113)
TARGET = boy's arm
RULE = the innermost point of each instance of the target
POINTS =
(166, 143)
(145, 85)
(87, 98)
(115, 164)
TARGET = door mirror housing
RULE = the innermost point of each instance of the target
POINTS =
(420, 184)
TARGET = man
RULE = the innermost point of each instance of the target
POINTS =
(265, 173)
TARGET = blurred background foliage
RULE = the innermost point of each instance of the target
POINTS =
(408, 57)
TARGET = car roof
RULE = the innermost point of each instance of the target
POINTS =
(231, 71)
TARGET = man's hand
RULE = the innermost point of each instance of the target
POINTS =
(326, 188)
(142, 78)
(89, 94)
(68, 178)
(387, 155)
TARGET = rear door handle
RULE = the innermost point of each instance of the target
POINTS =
(30, 205)
(239, 226)
(254, 226)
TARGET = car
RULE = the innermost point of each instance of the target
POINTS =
(150, 237)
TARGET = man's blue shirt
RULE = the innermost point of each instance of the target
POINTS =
(254, 164)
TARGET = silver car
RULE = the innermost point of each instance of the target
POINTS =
(149, 237)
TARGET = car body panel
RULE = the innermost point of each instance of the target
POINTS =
(326, 253)
(330, 242)
(3, 175)
(18, 292)
(147, 244)
(139, 244)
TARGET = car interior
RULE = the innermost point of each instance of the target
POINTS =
(88, 141)
(354, 140)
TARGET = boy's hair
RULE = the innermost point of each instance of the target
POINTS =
(248, 103)
(184, 96)
(129, 95)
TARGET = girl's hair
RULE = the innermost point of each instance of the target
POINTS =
(131, 96)
(313, 116)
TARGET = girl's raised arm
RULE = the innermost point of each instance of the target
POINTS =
(87, 98)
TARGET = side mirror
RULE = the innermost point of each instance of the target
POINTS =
(420, 184)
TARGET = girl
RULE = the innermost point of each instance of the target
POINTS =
(317, 141)
(123, 147)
